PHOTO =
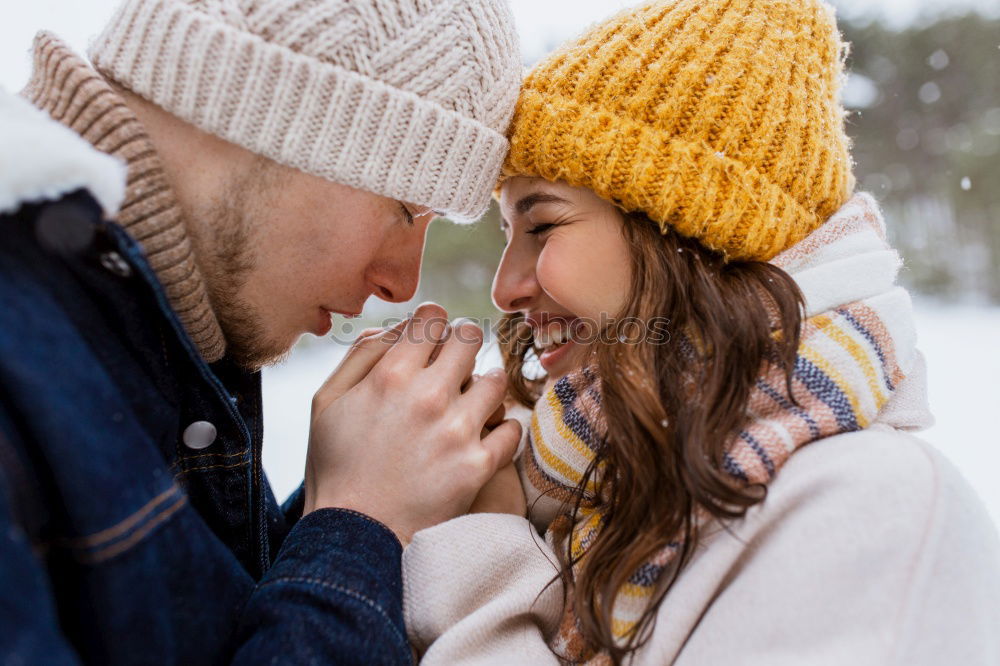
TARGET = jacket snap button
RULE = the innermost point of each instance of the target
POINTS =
(200, 435)
(112, 261)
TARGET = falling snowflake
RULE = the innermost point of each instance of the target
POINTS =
(929, 93)
(939, 60)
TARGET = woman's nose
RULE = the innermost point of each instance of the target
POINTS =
(515, 287)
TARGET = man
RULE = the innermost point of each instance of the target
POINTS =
(225, 176)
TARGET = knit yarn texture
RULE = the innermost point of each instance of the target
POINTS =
(719, 118)
(409, 99)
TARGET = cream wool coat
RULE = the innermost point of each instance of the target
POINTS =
(869, 549)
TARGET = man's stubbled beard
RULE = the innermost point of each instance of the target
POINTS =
(233, 222)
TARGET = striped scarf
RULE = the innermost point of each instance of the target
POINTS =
(857, 344)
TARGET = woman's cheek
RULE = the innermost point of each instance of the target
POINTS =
(563, 274)
(611, 278)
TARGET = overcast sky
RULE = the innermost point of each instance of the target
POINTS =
(541, 23)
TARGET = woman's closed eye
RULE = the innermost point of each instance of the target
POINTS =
(539, 229)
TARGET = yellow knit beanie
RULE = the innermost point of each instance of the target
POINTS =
(719, 118)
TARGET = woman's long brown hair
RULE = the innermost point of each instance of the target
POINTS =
(671, 407)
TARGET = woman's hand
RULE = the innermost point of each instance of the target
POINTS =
(502, 494)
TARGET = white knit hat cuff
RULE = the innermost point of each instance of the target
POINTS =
(299, 111)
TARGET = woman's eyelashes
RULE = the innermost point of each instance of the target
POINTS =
(531, 229)
(541, 228)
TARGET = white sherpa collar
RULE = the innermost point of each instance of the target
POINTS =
(42, 160)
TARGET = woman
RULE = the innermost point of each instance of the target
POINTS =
(706, 297)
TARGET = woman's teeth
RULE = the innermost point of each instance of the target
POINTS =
(553, 337)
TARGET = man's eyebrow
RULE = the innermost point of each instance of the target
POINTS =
(527, 203)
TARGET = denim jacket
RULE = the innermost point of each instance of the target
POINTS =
(118, 542)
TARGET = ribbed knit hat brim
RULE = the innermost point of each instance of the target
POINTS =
(303, 112)
(700, 192)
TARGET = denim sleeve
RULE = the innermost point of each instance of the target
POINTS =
(30, 633)
(333, 596)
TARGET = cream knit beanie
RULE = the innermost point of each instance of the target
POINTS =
(409, 99)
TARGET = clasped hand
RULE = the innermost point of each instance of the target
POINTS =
(399, 432)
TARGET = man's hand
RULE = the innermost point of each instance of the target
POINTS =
(394, 437)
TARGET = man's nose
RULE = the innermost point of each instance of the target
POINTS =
(397, 286)
(515, 286)
(395, 279)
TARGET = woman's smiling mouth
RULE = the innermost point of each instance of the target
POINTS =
(554, 340)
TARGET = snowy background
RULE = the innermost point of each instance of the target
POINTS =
(959, 335)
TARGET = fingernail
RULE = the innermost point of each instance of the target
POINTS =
(468, 330)
(435, 329)
(429, 304)
(395, 330)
